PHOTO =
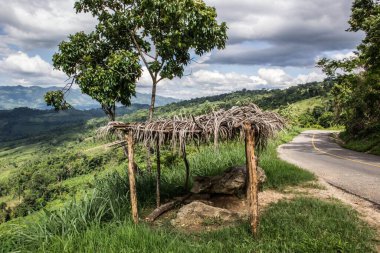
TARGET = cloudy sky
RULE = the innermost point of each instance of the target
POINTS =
(272, 44)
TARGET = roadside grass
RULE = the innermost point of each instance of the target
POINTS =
(280, 173)
(299, 225)
(369, 144)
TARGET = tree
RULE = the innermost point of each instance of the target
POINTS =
(356, 79)
(106, 74)
(166, 34)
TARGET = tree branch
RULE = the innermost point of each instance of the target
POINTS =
(141, 54)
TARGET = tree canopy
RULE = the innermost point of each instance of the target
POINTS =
(357, 79)
(105, 73)
(166, 34)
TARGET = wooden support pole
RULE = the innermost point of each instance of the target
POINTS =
(187, 166)
(216, 139)
(132, 179)
(148, 159)
(158, 175)
(252, 189)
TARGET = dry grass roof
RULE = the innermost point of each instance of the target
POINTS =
(215, 126)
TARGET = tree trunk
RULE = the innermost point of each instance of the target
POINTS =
(252, 192)
(153, 100)
(148, 160)
(187, 166)
(151, 112)
(166, 207)
(132, 178)
(110, 111)
(158, 175)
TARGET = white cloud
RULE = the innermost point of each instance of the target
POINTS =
(274, 76)
(20, 81)
(212, 82)
(341, 56)
(22, 63)
(30, 70)
(309, 78)
(34, 24)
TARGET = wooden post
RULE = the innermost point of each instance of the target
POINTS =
(132, 179)
(216, 133)
(158, 175)
(148, 160)
(252, 189)
(187, 166)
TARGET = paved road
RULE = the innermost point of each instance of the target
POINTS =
(355, 172)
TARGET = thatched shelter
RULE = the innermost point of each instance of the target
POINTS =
(247, 122)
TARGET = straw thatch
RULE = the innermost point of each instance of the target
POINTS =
(219, 125)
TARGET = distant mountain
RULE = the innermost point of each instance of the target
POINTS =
(33, 97)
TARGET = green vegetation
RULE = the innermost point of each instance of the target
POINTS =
(304, 105)
(356, 90)
(64, 190)
(300, 225)
(162, 35)
(369, 144)
(100, 219)
(281, 174)
(63, 159)
(105, 73)
(73, 189)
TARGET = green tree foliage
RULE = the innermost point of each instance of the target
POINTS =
(106, 74)
(166, 34)
(357, 79)
(57, 100)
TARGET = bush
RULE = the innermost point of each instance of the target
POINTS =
(326, 120)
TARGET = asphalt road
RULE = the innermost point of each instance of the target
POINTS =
(355, 172)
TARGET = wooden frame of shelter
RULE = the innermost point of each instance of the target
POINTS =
(248, 122)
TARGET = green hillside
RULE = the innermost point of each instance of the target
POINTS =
(29, 123)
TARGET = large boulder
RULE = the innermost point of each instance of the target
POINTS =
(198, 214)
(232, 181)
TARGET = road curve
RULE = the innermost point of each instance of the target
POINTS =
(355, 172)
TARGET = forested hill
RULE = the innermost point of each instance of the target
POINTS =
(33, 97)
(31, 123)
(266, 99)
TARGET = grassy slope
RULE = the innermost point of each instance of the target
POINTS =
(301, 225)
(369, 144)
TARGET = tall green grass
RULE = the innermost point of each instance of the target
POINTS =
(280, 173)
(300, 225)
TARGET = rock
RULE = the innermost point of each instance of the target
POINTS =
(232, 181)
(198, 214)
